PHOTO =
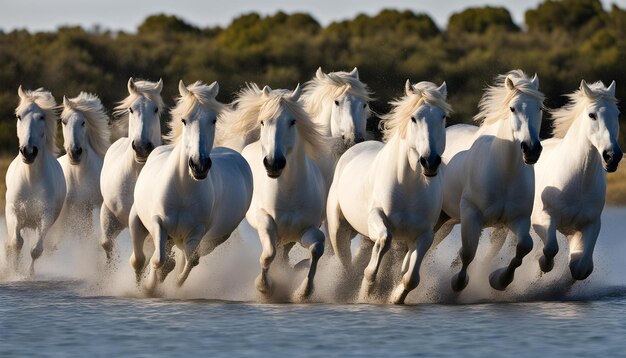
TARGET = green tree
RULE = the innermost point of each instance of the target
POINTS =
(481, 19)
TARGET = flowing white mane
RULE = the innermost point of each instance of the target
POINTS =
(564, 117)
(326, 88)
(252, 107)
(96, 119)
(396, 121)
(199, 95)
(494, 104)
(147, 89)
(44, 100)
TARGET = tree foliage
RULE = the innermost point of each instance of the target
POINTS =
(480, 20)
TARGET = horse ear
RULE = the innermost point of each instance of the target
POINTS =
(508, 82)
(355, 73)
(611, 88)
(214, 88)
(132, 89)
(182, 89)
(443, 89)
(584, 88)
(20, 92)
(295, 95)
(408, 88)
(159, 85)
(266, 91)
(66, 102)
(535, 81)
(320, 74)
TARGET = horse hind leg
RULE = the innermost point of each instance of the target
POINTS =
(190, 250)
(582, 245)
(313, 240)
(378, 229)
(110, 227)
(339, 233)
(410, 277)
(37, 249)
(502, 278)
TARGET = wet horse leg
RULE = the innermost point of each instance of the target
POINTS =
(411, 278)
(581, 250)
(313, 240)
(268, 235)
(381, 236)
(503, 277)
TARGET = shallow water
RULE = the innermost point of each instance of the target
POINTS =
(70, 308)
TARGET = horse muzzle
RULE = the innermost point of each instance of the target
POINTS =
(75, 155)
(611, 159)
(142, 151)
(531, 153)
(29, 153)
(430, 165)
(200, 170)
(274, 168)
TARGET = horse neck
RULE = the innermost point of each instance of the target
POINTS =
(506, 151)
(35, 171)
(578, 149)
(397, 152)
(295, 171)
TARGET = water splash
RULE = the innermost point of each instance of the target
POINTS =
(229, 272)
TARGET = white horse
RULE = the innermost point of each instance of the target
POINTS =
(178, 198)
(570, 175)
(492, 183)
(392, 190)
(35, 184)
(289, 198)
(86, 139)
(141, 112)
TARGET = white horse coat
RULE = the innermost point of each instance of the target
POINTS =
(187, 191)
(35, 183)
(492, 183)
(571, 175)
(126, 157)
(86, 139)
(392, 190)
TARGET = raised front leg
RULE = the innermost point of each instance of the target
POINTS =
(138, 234)
(471, 228)
(546, 229)
(411, 277)
(380, 233)
(15, 242)
(581, 251)
(503, 277)
(268, 235)
(110, 228)
(191, 252)
(313, 240)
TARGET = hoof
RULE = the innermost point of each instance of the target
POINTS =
(303, 292)
(263, 285)
(399, 295)
(459, 282)
(546, 264)
(578, 269)
(499, 280)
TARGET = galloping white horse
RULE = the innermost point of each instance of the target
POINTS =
(178, 198)
(289, 191)
(392, 189)
(570, 175)
(35, 184)
(492, 183)
(86, 135)
(141, 110)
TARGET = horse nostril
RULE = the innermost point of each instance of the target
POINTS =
(423, 162)
(607, 156)
(150, 146)
(266, 163)
(132, 144)
(79, 151)
(525, 147)
(436, 161)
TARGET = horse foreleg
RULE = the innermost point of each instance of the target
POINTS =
(15, 242)
(110, 228)
(268, 234)
(381, 235)
(37, 249)
(190, 250)
(581, 251)
(546, 230)
(159, 237)
(471, 229)
(138, 234)
(313, 240)
(503, 277)
(411, 278)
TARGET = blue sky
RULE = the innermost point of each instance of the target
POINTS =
(126, 14)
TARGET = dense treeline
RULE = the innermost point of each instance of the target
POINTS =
(563, 41)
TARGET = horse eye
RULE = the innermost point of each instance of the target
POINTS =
(336, 103)
(82, 124)
(444, 117)
(592, 116)
(214, 121)
(43, 117)
(413, 119)
(262, 123)
(19, 118)
(184, 121)
(293, 121)
(156, 110)
(364, 105)
(512, 109)
(130, 110)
